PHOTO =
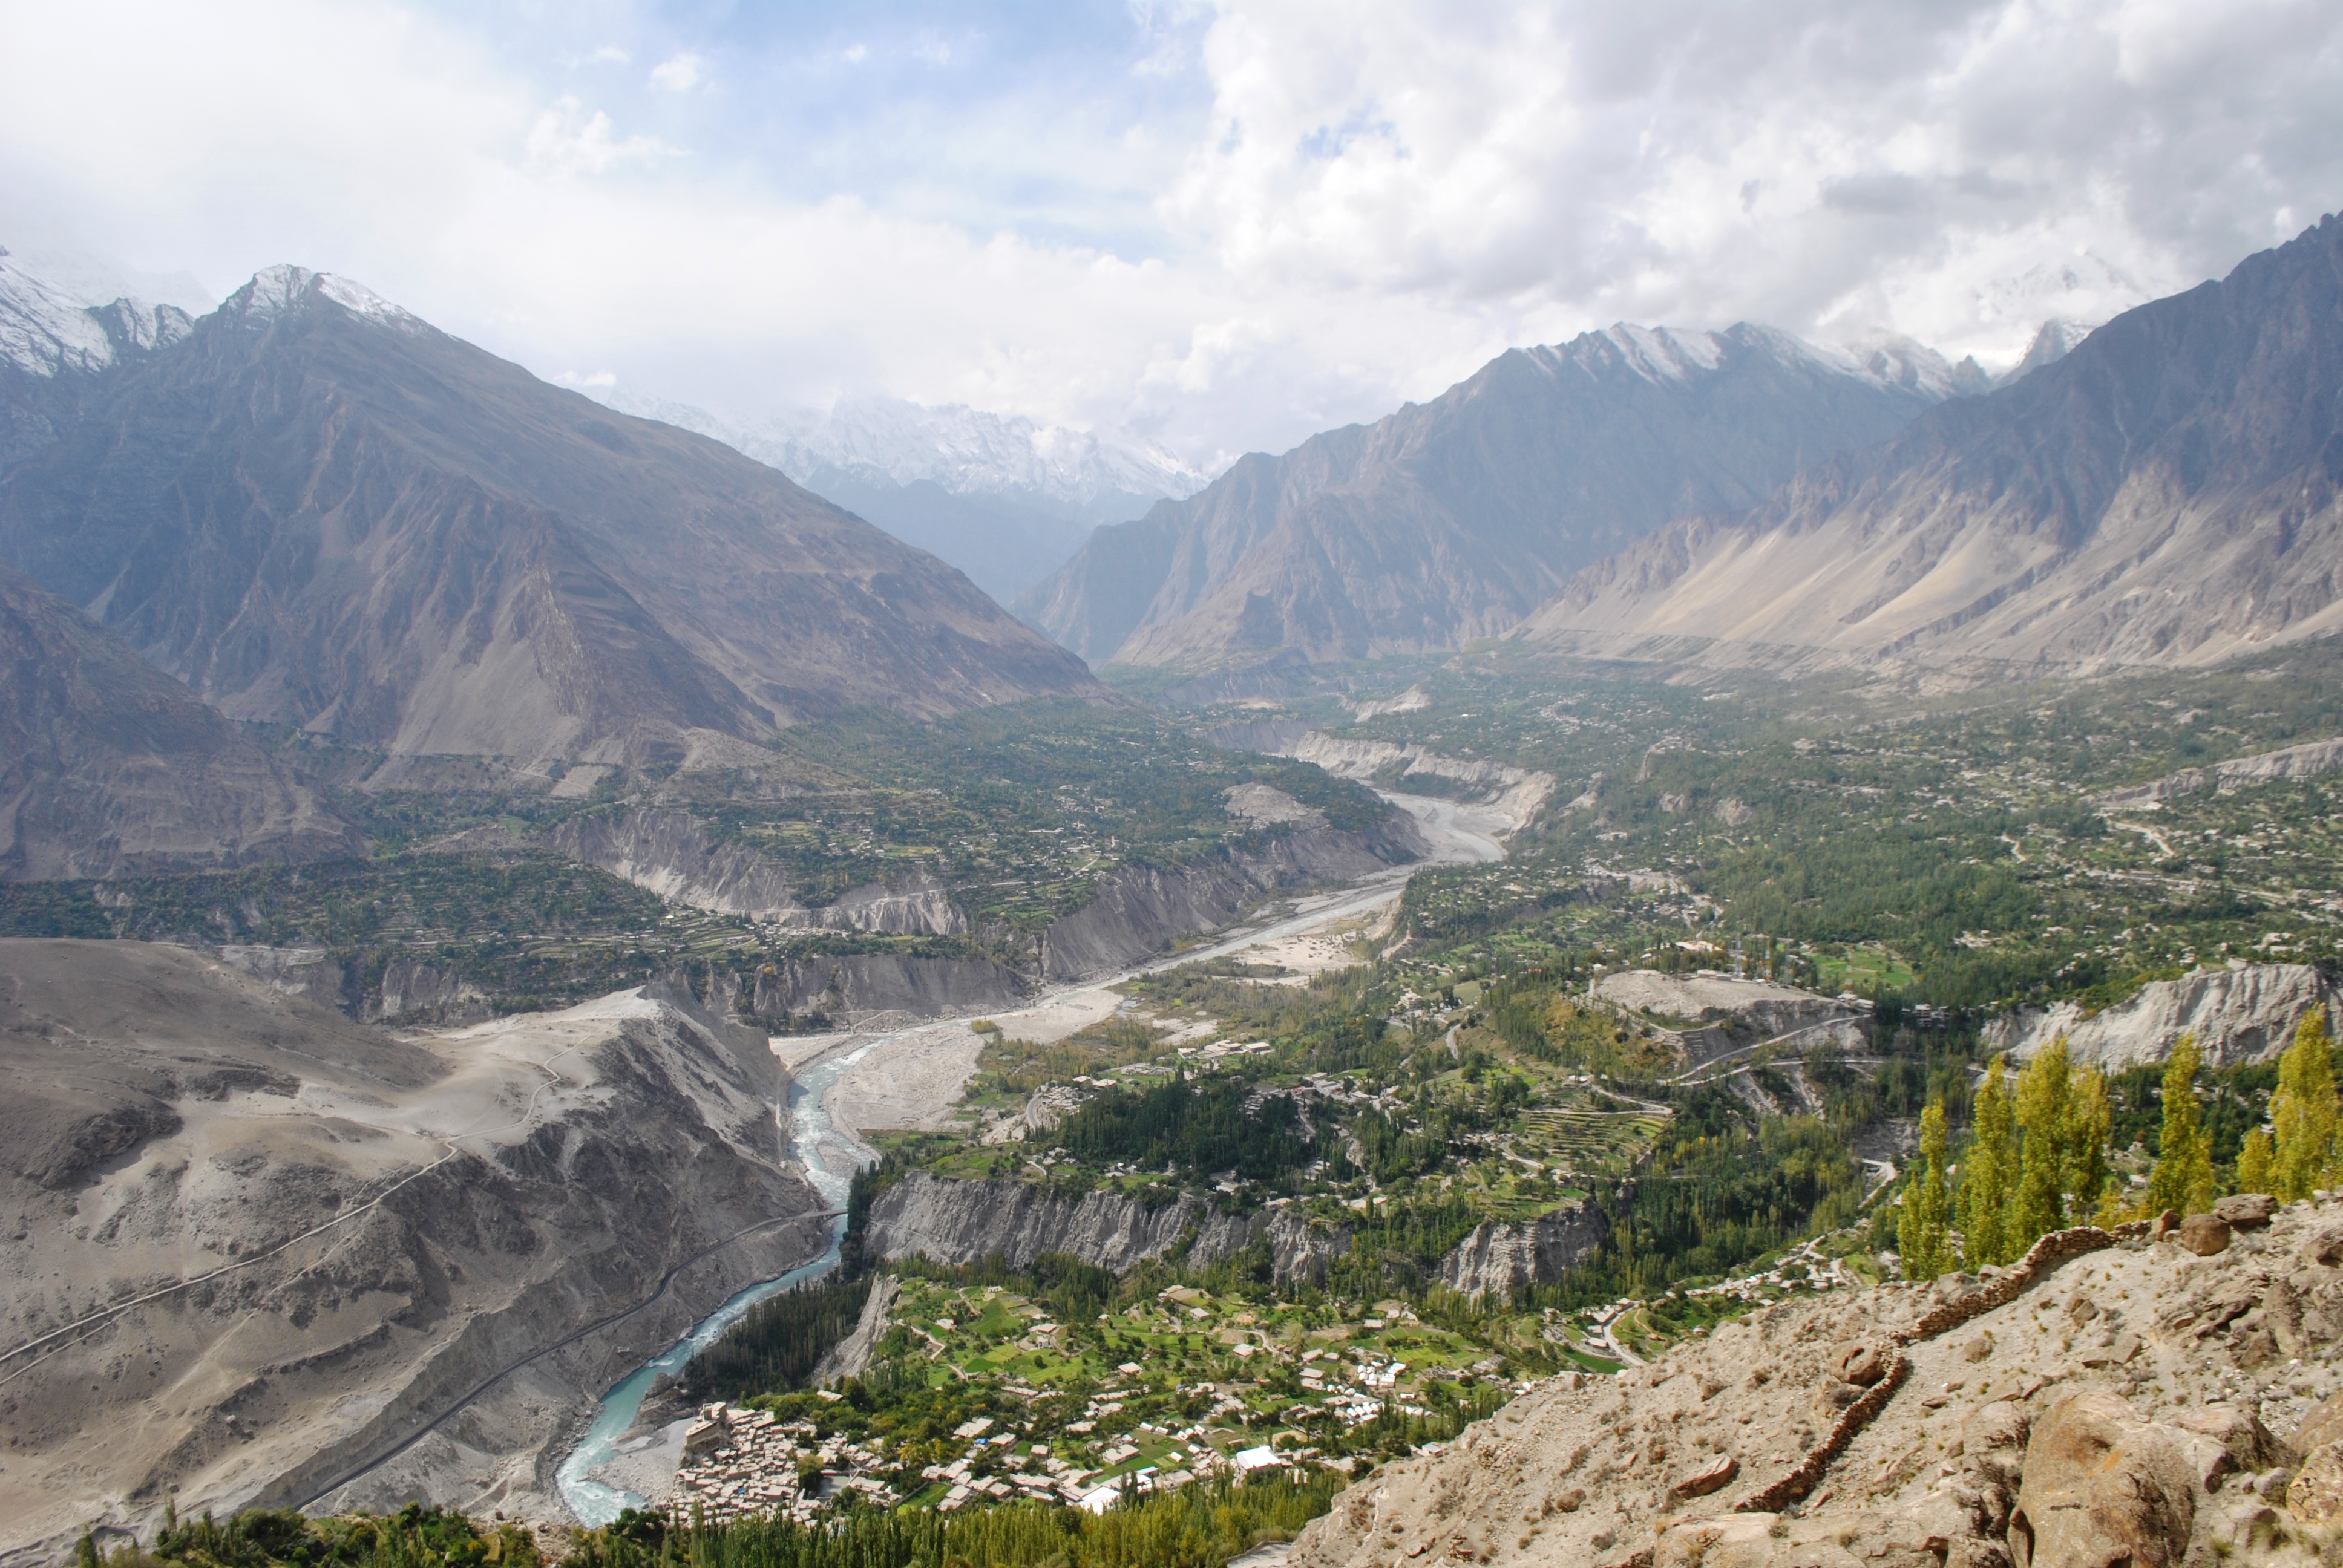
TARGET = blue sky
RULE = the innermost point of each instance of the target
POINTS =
(1224, 225)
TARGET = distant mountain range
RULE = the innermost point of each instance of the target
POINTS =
(320, 511)
(1003, 499)
(2167, 492)
(1458, 517)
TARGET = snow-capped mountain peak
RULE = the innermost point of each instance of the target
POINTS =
(45, 329)
(274, 290)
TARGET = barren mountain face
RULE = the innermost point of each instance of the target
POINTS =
(110, 767)
(1455, 519)
(319, 511)
(2167, 493)
(259, 1253)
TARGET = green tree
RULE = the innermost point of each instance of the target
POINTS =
(2183, 1177)
(2089, 1120)
(2041, 1105)
(1985, 1179)
(2255, 1168)
(2303, 1111)
(1921, 1230)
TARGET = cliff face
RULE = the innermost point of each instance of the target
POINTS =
(2111, 1400)
(168, 1118)
(1504, 1260)
(949, 1222)
(1139, 909)
(2237, 1015)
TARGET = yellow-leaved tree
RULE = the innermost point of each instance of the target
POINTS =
(2303, 1111)
(1924, 1224)
(1986, 1174)
(2042, 1095)
(2182, 1180)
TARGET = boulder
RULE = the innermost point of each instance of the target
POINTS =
(1857, 1362)
(2205, 1234)
(2245, 1210)
(2101, 1488)
(1706, 1478)
(2316, 1494)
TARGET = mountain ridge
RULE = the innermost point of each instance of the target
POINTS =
(1456, 519)
(2166, 492)
(321, 511)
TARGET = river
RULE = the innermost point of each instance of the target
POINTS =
(1459, 835)
(830, 1159)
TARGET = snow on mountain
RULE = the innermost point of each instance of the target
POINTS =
(1663, 354)
(46, 330)
(963, 451)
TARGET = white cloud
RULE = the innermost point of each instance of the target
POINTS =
(1355, 205)
(679, 72)
(566, 139)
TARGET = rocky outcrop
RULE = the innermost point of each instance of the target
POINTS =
(2237, 1015)
(2114, 1399)
(310, 973)
(851, 1357)
(1505, 1259)
(948, 1221)
(279, 1291)
(2306, 761)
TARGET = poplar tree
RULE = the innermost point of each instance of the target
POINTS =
(2303, 1111)
(2089, 1120)
(2183, 1177)
(1986, 1178)
(2041, 1107)
(2255, 1172)
(1921, 1229)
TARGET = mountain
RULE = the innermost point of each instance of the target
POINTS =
(2165, 493)
(55, 346)
(319, 510)
(110, 767)
(1457, 517)
(1004, 499)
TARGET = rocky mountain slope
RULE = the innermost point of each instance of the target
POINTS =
(2110, 1400)
(320, 511)
(1004, 499)
(2167, 493)
(2236, 1016)
(1457, 517)
(262, 1253)
(110, 767)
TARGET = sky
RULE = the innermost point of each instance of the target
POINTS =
(1221, 225)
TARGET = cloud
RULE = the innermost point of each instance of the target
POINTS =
(679, 72)
(1231, 225)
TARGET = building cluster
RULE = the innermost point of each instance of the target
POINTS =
(747, 1461)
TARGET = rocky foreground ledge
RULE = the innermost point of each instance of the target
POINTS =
(2115, 1398)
